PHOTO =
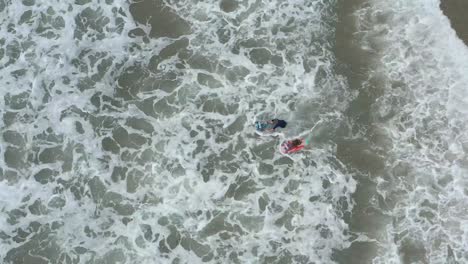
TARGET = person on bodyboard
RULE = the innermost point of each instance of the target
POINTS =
(269, 126)
(278, 123)
(292, 146)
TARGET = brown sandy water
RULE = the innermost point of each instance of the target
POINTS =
(456, 11)
(356, 63)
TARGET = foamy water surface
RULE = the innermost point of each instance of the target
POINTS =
(128, 137)
(420, 65)
(126, 142)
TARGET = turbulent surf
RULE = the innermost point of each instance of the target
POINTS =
(127, 132)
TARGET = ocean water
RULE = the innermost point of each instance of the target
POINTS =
(419, 66)
(127, 132)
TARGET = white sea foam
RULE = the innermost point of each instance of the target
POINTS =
(422, 109)
(109, 158)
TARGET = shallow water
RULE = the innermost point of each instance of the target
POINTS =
(128, 132)
(414, 81)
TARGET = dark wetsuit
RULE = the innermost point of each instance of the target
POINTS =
(279, 123)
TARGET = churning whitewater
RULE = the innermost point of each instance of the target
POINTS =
(127, 133)
(420, 66)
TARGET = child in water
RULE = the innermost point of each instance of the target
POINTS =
(294, 143)
(277, 123)
(292, 146)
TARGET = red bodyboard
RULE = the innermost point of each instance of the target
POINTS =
(285, 149)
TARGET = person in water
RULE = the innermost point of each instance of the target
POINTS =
(277, 123)
(296, 142)
(292, 145)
